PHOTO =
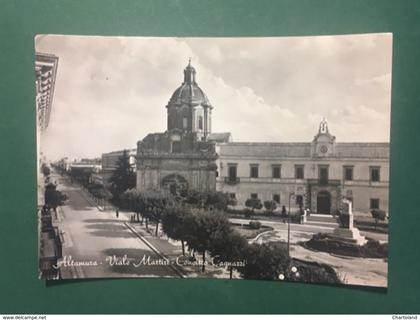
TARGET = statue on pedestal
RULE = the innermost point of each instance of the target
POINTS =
(349, 233)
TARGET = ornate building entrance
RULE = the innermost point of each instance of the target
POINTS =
(323, 202)
(174, 184)
(323, 197)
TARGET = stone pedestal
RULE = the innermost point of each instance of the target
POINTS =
(350, 234)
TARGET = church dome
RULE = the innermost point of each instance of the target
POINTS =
(189, 92)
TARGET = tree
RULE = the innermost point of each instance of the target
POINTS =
(99, 191)
(123, 178)
(270, 206)
(156, 204)
(45, 170)
(378, 214)
(53, 197)
(82, 175)
(265, 261)
(252, 204)
(207, 200)
(313, 272)
(229, 247)
(203, 228)
(218, 200)
(151, 205)
(193, 198)
(134, 201)
(174, 223)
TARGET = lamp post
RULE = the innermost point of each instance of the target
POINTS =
(291, 195)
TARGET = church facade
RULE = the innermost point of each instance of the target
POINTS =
(315, 175)
(183, 156)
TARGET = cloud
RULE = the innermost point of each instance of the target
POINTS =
(112, 91)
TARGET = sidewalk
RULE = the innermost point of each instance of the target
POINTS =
(172, 250)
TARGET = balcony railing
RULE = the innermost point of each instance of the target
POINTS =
(232, 180)
(331, 182)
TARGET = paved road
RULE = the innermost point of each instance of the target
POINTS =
(98, 242)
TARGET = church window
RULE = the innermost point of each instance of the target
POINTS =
(375, 174)
(276, 198)
(176, 147)
(200, 123)
(254, 171)
(185, 122)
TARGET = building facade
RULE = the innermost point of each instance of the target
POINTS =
(183, 156)
(316, 175)
(109, 162)
(45, 74)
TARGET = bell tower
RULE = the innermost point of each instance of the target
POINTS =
(323, 144)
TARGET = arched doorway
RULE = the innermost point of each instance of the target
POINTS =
(174, 184)
(323, 202)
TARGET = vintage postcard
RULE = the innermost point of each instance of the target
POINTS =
(234, 158)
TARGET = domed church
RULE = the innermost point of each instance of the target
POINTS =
(184, 156)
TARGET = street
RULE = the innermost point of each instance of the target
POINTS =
(97, 244)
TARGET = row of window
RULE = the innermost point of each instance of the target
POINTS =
(374, 202)
(300, 172)
(275, 198)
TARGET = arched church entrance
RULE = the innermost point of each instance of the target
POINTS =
(174, 184)
(323, 202)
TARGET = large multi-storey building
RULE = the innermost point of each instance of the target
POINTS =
(109, 162)
(315, 175)
(45, 73)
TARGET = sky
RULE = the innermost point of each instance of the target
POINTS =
(110, 92)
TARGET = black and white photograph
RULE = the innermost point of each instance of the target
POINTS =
(262, 158)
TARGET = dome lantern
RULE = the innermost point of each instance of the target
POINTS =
(189, 109)
(189, 73)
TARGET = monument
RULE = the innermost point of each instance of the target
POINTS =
(349, 233)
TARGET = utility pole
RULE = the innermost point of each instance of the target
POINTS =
(291, 194)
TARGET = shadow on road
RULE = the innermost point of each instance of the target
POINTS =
(102, 220)
(109, 229)
(107, 226)
(112, 234)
